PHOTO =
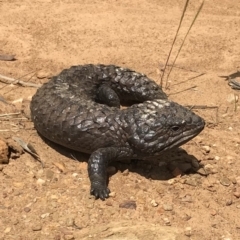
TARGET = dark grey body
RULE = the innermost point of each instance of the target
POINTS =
(79, 109)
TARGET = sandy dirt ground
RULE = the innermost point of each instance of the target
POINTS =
(150, 200)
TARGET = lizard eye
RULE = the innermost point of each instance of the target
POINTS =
(175, 128)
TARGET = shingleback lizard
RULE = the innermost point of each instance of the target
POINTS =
(80, 109)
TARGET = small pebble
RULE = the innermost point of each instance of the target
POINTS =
(37, 227)
(70, 222)
(112, 194)
(39, 173)
(69, 237)
(154, 203)
(4, 152)
(42, 74)
(217, 158)
(226, 237)
(186, 217)
(213, 212)
(15, 222)
(171, 181)
(206, 149)
(167, 221)
(90, 205)
(167, 207)
(57, 237)
(202, 172)
(238, 179)
(49, 174)
(61, 166)
(7, 230)
(109, 203)
(181, 237)
(125, 172)
(229, 202)
(45, 215)
(188, 231)
(231, 98)
(128, 204)
(209, 168)
(55, 197)
(41, 181)
(214, 225)
(187, 198)
(236, 194)
(75, 174)
(225, 181)
(27, 209)
(191, 182)
(233, 180)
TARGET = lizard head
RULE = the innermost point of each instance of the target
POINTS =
(159, 125)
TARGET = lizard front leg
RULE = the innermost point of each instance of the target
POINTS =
(97, 168)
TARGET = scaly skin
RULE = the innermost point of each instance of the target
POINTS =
(79, 109)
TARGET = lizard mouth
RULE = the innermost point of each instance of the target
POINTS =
(186, 136)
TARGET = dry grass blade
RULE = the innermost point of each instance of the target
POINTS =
(28, 148)
(194, 19)
(182, 90)
(9, 114)
(201, 107)
(174, 40)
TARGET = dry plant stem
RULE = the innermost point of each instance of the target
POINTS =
(199, 10)
(235, 103)
(189, 80)
(174, 40)
(182, 91)
(9, 114)
(7, 119)
(183, 68)
(9, 80)
(204, 107)
(201, 107)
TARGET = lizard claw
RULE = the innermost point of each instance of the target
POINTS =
(100, 192)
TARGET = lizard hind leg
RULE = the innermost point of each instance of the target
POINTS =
(108, 96)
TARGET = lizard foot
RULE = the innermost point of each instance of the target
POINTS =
(101, 192)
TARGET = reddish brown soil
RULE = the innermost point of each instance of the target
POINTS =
(53, 203)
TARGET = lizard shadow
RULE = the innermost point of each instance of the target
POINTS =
(164, 167)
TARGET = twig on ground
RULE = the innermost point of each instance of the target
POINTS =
(19, 82)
